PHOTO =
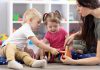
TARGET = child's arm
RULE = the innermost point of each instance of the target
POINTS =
(46, 41)
(43, 45)
(41, 52)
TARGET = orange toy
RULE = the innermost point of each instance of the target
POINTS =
(67, 52)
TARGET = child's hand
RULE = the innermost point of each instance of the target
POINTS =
(54, 51)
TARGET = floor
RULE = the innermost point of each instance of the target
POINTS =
(57, 67)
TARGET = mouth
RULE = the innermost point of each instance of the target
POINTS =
(38, 27)
(53, 31)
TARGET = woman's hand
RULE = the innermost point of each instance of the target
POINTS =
(66, 60)
(69, 40)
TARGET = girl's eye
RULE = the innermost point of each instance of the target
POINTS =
(55, 26)
(50, 27)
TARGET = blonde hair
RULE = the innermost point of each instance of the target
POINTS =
(31, 14)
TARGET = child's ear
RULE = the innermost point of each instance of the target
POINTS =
(30, 19)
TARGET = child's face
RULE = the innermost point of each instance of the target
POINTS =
(52, 26)
(35, 23)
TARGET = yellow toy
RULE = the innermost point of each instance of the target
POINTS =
(3, 37)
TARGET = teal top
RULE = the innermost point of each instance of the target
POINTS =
(97, 28)
(93, 47)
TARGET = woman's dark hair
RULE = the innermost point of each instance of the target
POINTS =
(88, 26)
(52, 17)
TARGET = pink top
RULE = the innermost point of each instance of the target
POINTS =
(56, 39)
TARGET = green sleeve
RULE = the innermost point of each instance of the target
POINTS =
(98, 31)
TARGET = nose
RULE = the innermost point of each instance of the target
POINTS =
(53, 29)
(77, 9)
(39, 25)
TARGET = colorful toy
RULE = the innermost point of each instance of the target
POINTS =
(3, 60)
(67, 52)
(53, 58)
(80, 56)
(3, 37)
(76, 55)
(15, 16)
(0, 42)
(50, 57)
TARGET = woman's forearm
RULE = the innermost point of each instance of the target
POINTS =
(87, 61)
(78, 33)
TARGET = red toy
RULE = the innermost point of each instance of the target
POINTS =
(67, 52)
(62, 54)
(0, 42)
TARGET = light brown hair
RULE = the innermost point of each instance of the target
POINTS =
(52, 17)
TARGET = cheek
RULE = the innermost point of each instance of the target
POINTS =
(57, 28)
(81, 10)
(85, 12)
(34, 25)
(49, 29)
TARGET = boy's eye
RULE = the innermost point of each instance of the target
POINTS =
(39, 22)
(50, 26)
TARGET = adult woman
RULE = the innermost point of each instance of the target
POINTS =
(89, 10)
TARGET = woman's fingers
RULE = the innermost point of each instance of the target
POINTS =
(62, 59)
(69, 41)
(66, 60)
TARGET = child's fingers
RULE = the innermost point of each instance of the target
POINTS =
(55, 51)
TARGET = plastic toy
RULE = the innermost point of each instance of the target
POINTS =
(76, 55)
(3, 37)
(51, 58)
(86, 55)
(0, 42)
(15, 16)
(3, 60)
